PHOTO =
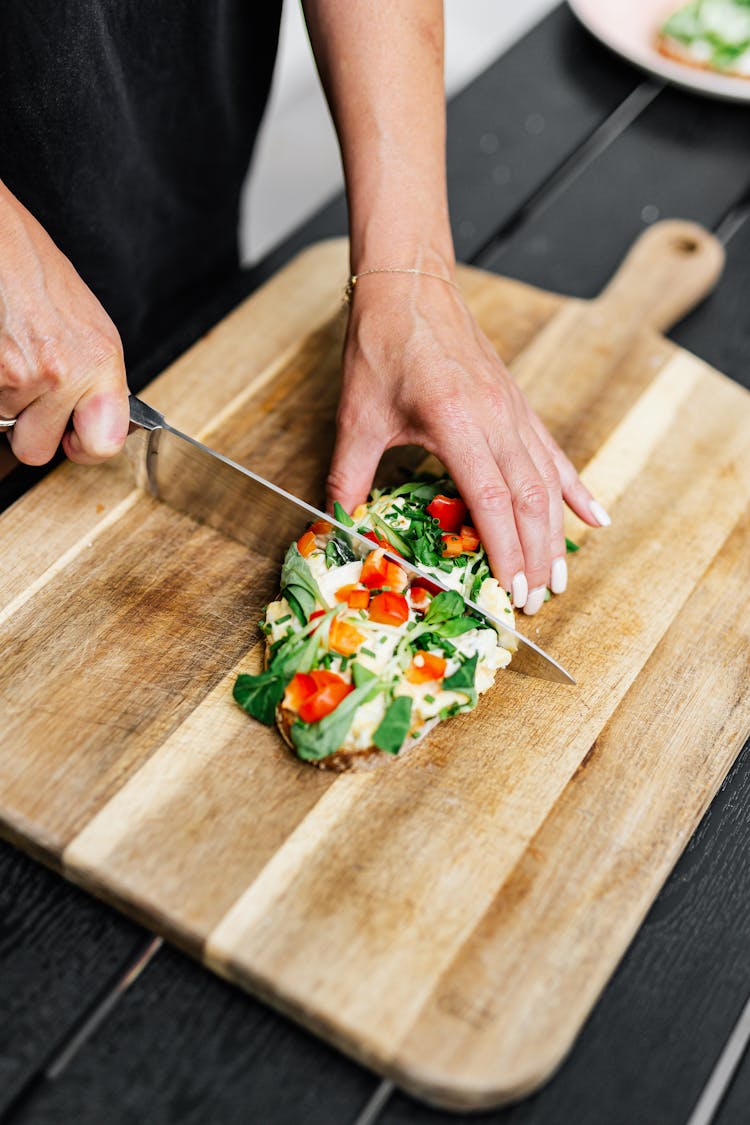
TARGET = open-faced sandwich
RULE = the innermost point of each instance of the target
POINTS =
(359, 660)
(711, 34)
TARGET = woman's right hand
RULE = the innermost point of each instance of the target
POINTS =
(62, 373)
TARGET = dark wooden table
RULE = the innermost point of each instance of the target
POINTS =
(559, 154)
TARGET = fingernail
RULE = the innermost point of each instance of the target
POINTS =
(534, 600)
(519, 588)
(559, 576)
(599, 514)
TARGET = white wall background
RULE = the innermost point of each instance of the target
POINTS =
(296, 166)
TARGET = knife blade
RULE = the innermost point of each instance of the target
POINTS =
(214, 490)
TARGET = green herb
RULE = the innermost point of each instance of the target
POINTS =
(314, 741)
(429, 699)
(360, 674)
(570, 546)
(338, 553)
(464, 676)
(459, 625)
(392, 536)
(394, 726)
(444, 606)
(281, 620)
(367, 652)
(297, 580)
(260, 695)
(382, 640)
(340, 513)
(547, 596)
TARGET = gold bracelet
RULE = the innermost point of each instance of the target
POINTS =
(349, 290)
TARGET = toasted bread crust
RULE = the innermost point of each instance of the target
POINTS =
(343, 760)
(674, 50)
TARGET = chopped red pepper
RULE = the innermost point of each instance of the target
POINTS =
(469, 537)
(395, 577)
(424, 667)
(306, 543)
(449, 511)
(389, 608)
(419, 599)
(374, 569)
(379, 541)
(321, 527)
(299, 688)
(325, 700)
(453, 545)
(344, 638)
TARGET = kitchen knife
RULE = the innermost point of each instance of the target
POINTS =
(189, 476)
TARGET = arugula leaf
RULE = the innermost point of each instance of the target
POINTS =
(259, 695)
(394, 726)
(340, 513)
(570, 546)
(444, 606)
(314, 741)
(297, 579)
(425, 490)
(464, 676)
(338, 553)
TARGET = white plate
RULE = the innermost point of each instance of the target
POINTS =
(629, 27)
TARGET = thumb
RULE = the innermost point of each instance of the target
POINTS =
(355, 459)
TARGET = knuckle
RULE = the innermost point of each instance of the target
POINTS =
(532, 499)
(493, 496)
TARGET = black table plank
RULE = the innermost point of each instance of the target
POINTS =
(682, 158)
(183, 1048)
(719, 330)
(59, 951)
(651, 1042)
(735, 1109)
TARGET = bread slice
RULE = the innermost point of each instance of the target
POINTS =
(680, 52)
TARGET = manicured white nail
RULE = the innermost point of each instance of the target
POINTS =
(559, 576)
(520, 590)
(534, 600)
(599, 514)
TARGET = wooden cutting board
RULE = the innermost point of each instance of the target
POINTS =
(450, 918)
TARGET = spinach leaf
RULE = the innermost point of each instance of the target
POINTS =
(259, 695)
(314, 741)
(338, 553)
(297, 579)
(424, 490)
(464, 676)
(340, 513)
(425, 551)
(295, 606)
(570, 546)
(458, 625)
(361, 675)
(444, 606)
(394, 726)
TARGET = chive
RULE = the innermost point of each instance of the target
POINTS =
(367, 652)
(508, 610)
(429, 699)
(382, 640)
(281, 620)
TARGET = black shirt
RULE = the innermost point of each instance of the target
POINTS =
(126, 128)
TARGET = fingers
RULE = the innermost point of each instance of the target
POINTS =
(353, 465)
(101, 419)
(477, 477)
(558, 570)
(574, 491)
(39, 430)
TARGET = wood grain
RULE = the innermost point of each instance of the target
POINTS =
(385, 910)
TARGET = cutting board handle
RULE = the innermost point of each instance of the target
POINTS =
(667, 272)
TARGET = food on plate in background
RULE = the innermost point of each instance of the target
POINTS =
(711, 34)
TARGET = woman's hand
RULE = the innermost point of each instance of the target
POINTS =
(418, 370)
(61, 359)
